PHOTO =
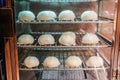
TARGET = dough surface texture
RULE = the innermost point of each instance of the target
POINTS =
(26, 15)
(66, 15)
(73, 61)
(51, 61)
(26, 39)
(89, 15)
(46, 39)
(90, 38)
(94, 61)
(31, 61)
(46, 15)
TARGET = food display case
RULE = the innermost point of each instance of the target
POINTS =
(63, 40)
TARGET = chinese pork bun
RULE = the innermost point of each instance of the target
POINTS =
(31, 61)
(25, 39)
(89, 15)
(66, 15)
(90, 38)
(51, 61)
(26, 16)
(73, 61)
(67, 39)
(95, 61)
(46, 39)
(46, 15)
(70, 33)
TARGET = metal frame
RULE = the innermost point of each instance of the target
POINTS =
(12, 55)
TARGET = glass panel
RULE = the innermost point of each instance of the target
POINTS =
(41, 18)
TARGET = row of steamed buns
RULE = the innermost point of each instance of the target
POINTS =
(71, 61)
(67, 39)
(51, 15)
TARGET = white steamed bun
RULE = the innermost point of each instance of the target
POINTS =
(26, 39)
(90, 38)
(46, 39)
(67, 39)
(46, 15)
(51, 61)
(89, 15)
(73, 61)
(66, 15)
(94, 61)
(31, 61)
(70, 33)
(26, 15)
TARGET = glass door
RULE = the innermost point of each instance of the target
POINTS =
(65, 39)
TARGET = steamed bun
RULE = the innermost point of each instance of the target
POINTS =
(26, 39)
(94, 61)
(51, 61)
(66, 15)
(89, 15)
(73, 61)
(67, 39)
(26, 15)
(90, 38)
(70, 33)
(31, 61)
(46, 39)
(46, 15)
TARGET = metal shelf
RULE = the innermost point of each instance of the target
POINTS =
(73, 75)
(79, 46)
(76, 73)
(63, 0)
(77, 21)
(62, 56)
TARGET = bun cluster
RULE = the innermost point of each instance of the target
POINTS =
(71, 61)
(51, 15)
